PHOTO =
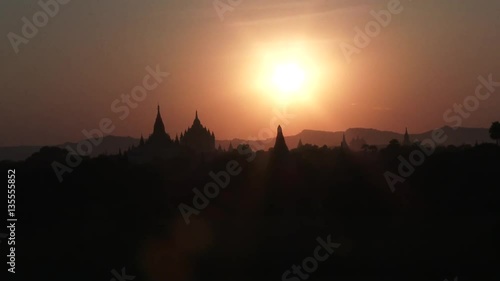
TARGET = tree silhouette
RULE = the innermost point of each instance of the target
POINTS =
(274, 201)
(394, 144)
(495, 131)
(365, 147)
(373, 148)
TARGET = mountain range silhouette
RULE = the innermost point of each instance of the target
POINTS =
(112, 144)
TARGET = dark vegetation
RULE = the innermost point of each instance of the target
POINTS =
(442, 222)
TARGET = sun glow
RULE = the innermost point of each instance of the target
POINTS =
(288, 78)
(289, 73)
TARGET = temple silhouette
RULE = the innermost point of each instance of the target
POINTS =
(197, 139)
(159, 137)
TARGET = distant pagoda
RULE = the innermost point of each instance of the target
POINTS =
(406, 140)
(343, 144)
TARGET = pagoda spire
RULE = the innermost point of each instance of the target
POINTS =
(280, 146)
(159, 128)
(406, 140)
(196, 121)
(300, 144)
(343, 144)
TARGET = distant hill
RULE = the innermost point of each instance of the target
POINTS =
(458, 136)
(17, 153)
(111, 144)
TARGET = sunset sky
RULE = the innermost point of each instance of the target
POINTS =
(91, 52)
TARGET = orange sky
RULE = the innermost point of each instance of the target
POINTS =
(66, 78)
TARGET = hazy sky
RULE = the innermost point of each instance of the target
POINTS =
(65, 78)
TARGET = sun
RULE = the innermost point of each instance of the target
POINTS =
(288, 78)
(291, 73)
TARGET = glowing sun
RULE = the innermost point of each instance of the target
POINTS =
(288, 74)
(288, 78)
